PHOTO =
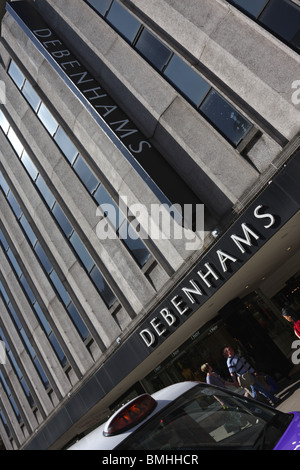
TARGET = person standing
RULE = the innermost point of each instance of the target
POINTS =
(213, 378)
(237, 365)
(292, 316)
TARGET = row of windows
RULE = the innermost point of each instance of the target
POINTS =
(23, 335)
(34, 303)
(45, 262)
(211, 105)
(58, 214)
(281, 17)
(87, 177)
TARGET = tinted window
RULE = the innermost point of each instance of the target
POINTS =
(194, 87)
(135, 245)
(82, 329)
(153, 49)
(43, 258)
(225, 118)
(29, 232)
(65, 144)
(14, 205)
(82, 251)
(47, 119)
(283, 18)
(16, 74)
(109, 207)
(100, 5)
(123, 21)
(62, 220)
(29, 165)
(85, 174)
(102, 287)
(45, 191)
(31, 96)
(253, 7)
(60, 288)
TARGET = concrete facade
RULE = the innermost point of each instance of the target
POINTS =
(246, 64)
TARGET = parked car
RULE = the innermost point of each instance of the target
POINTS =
(193, 416)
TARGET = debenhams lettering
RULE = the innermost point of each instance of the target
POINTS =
(193, 288)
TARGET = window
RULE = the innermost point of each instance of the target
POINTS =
(47, 119)
(153, 49)
(85, 174)
(4, 124)
(99, 281)
(253, 7)
(45, 191)
(65, 144)
(15, 141)
(62, 220)
(31, 96)
(225, 118)
(187, 80)
(100, 5)
(15, 73)
(283, 18)
(82, 252)
(74, 315)
(127, 25)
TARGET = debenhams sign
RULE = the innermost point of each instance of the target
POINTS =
(229, 254)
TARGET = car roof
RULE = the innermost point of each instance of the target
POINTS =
(96, 440)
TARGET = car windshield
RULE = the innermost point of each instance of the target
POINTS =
(210, 418)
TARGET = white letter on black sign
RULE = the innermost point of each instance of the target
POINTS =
(204, 276)
(147, 336)
(263, 216)
(238, 240)
(223, 257)
(43, 33)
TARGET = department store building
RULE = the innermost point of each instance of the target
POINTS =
(109, 109)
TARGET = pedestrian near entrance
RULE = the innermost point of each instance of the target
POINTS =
(237, 366)
(213, 378)
(293, 317)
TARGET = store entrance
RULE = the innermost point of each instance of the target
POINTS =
(253, 323)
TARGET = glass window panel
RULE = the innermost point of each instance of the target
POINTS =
(127, 25)
(45, 191)
(225, 118)
(85, 174)
(14, 316)
(4, 124)
(78, 322)
(16, 74)
(43, 258)
(3, 241)
(109, 207)
(100, 5)
(14, 262)
(62, 220)
(31, 95)
(29, 232)
(134, 244)
(15, 142)
(60, 288)
(194, 87)
(65, 144)
(82, 252)
(3, 292)
(104, 290)
(47, 119)
(42, 318)
(41, 373)
(283, 18)
(27, 289)
(29, 165)
(253, 7)
(153, 49)
(56, 346)
(14, 205)
(3, 184)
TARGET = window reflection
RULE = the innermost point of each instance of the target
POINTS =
(153, 49)
(253, 7)
(225, 117)
(31, 95)
(16, 74)
(100, 5)
(65, 144)
(283, 18)
(47, 119)
(127, 25)
(192, 85)
(85, 174)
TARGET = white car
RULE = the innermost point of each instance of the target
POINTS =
(192, 416)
